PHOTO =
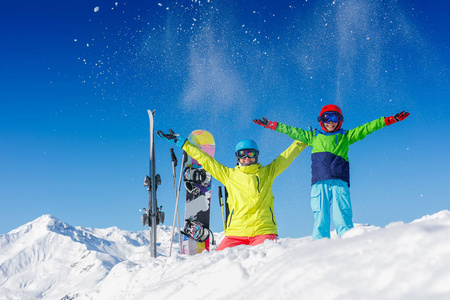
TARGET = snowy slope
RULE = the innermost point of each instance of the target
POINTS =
(48, 259)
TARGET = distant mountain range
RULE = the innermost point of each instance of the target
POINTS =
(50, 259)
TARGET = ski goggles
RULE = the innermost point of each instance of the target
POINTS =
(250, 153)
(330, 117)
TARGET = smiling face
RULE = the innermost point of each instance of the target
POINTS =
(330, 126)
(247, 161)
(330, 120)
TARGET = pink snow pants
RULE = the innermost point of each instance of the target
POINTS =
(232, 241)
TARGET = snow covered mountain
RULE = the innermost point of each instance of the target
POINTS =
(49, 259)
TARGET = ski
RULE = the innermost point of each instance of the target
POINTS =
(153, 215)
(198, 197)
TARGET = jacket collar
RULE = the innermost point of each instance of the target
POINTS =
(249, 169)
(340, 131)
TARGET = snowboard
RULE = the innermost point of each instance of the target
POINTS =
(197, 206)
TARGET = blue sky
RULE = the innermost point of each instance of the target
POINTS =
(77, 78)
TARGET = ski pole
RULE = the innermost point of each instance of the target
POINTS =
(227, 210)
(221, 206)
(183, 163)
(174, 164)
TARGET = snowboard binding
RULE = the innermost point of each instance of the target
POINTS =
(197, 231)
(194, 177)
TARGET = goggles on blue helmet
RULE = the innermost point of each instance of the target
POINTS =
(250, 153)
(330, 116)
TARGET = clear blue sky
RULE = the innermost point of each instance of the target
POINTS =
(76, 83)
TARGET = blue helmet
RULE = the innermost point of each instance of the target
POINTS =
(246, 144)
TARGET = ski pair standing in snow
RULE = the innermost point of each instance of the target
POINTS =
(251, 220)
(330, 164)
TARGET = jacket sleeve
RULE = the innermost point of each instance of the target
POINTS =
(279, 164)
(360, 132)
(217, 170)
(296, 133)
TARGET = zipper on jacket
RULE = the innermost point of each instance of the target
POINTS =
(257, 179)
(231, 217)
(273, 219)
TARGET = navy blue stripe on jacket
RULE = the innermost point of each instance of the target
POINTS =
(326, 165)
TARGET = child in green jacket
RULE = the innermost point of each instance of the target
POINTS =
(330, 164)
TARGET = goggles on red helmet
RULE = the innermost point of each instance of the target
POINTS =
(250, 153)
(330, 116)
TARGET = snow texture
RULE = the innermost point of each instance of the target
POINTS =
(49, 259)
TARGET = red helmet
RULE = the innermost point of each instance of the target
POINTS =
(329, 108)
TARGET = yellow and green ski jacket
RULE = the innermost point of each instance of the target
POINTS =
(250, 197)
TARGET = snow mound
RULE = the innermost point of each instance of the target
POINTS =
(48, 259)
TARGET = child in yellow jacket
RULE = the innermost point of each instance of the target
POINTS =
(251, 220)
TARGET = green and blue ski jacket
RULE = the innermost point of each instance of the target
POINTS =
(330, 150)
(250, 197)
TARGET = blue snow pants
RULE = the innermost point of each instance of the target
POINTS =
(327, 193)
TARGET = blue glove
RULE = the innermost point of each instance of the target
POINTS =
(172, 137)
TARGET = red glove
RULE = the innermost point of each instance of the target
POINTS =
(397, 118)
(266, 123)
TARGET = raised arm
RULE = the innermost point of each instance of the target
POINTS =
(217, 170)
(293, 132)
(284, 160)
